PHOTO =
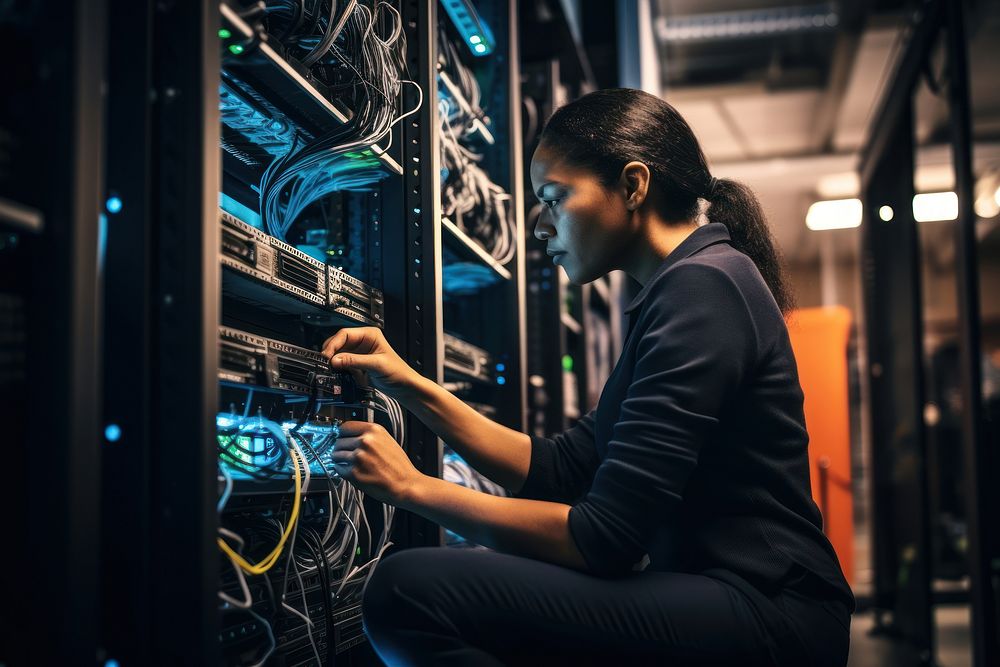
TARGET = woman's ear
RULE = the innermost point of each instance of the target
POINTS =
(634, 182)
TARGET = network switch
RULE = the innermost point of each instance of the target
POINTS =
(249, 251)
(254, 360)
(467, 359)
(350, 297)
(279, 277)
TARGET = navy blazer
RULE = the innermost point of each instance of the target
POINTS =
(696, 453)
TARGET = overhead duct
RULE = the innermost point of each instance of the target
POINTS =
(721, 26)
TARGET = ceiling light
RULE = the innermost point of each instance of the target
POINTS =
(834, 214)
(987, 206)
(935, 206)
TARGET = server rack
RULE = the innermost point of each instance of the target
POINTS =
(491, 314)
(171, 70)
(901, 541)
(572, 338)
(482, 277)
(50, 204)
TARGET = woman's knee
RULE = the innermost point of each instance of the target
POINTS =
(397, 587)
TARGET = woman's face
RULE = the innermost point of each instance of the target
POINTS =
(586, 225)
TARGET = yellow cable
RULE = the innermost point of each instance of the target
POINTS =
(271, 558)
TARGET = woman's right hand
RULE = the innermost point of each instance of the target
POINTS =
(366, 349)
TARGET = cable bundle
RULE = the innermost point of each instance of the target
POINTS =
(468, 195)
(328, 549)
(363, 70)
(471, 199)
(466, 115)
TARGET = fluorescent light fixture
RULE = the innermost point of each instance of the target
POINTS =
(935, 206)
(834, 214)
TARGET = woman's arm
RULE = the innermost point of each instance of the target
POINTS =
(367, 456)
(500, 453)
(532, 528)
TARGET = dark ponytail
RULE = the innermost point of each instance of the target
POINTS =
(735, 205)
(605, 130)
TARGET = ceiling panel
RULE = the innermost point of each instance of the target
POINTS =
(716, 138)
(876, 53)
(776, 123)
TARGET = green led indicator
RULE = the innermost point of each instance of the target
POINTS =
(358, 551)
(236, 49)
(224, 34)
(567, 362)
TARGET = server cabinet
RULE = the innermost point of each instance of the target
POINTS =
(50, 269)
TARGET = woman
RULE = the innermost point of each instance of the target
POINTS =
(671, 525)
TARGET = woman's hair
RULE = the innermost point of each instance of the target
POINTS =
(605, 130)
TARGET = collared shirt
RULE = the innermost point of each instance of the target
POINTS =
(696, 453)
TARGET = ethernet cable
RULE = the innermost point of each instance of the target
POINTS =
(270, 635)
(372, 121)
(227, 490)
(268, 562)
(247, 599)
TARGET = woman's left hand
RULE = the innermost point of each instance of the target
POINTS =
(368, 457)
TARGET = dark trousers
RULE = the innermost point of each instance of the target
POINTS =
(442, 606)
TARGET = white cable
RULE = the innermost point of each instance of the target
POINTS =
(247, 600)
(270, 636)
(227, 491)
(309, 623)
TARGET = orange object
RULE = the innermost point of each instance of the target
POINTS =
(819, 339)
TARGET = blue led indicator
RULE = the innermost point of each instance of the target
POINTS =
(111, 663)
(114, 204)
(501, 368)
(501, 380)
(102, 239)
(470, 25)
(112, 432)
